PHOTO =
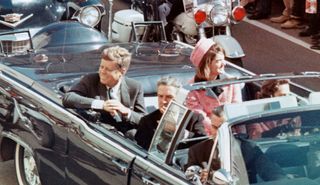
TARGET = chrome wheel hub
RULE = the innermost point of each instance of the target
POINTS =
(30, 169)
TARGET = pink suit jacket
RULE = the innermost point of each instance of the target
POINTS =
(199, 102)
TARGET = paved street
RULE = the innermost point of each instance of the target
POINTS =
(268, 49)
(7, 173)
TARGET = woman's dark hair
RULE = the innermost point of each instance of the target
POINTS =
(203, 70)
(269, 88)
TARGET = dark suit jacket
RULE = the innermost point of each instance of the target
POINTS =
(148, 124)
(89, 88)
(200, 153)
(255, 160)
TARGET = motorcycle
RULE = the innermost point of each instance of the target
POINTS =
(210, 18)
(139, 23)
(188, 21)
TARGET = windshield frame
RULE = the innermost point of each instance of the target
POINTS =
(181, 123)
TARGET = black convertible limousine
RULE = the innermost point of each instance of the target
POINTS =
(54, 145)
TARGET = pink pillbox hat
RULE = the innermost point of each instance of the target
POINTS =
(201, 48)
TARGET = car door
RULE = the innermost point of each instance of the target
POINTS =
(158, 166)
(36, 123)
(154, 172)
(97, 155)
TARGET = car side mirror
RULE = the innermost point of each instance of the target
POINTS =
(222, 177)
(193, 174)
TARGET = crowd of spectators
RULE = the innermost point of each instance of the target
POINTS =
(297, 14)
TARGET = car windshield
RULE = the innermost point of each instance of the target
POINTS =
(281, 147)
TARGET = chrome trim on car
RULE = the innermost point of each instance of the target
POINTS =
(99, 8)
(12, 17)
(17, 139)
(15, 43)
(149, 166)
(224, 137)
(16, 23)
(14, 47)
(254, 78)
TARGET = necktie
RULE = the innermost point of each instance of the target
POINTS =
(109, 91)
(110, 96)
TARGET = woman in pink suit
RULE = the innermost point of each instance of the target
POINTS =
(208, 58)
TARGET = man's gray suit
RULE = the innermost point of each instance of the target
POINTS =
(81, 95)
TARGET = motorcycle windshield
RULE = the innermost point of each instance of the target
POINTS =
(200, 2)
(82, 3)
(19, 14)
(189, 5)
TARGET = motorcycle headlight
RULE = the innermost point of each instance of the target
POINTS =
(219, 13)
(90, 16)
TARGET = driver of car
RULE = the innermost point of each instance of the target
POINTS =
(199, 153)
(255, 160)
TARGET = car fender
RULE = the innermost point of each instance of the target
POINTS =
(80, 3)
(6, 146)
(8, 141)
(63, 36)
(230, 45)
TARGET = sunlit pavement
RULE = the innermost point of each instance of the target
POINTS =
(7, 173)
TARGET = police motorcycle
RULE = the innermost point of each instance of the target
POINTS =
(189, 20)
(40, 24)
(140, 22)
(211, 18)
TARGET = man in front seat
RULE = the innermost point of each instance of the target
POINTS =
(167, 89)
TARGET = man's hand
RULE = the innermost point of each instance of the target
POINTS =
(114, 106)
(204, 174)
(163, 109)
(170, 127)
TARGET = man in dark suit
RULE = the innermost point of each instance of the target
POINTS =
(167, 88)
(257, 163)
(118, 98)
(199, 154)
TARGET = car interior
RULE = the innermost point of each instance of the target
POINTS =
(293, 144)
(275, 148)
(284, 147)
(149, 84)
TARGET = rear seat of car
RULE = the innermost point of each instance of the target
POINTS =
(149, 84)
